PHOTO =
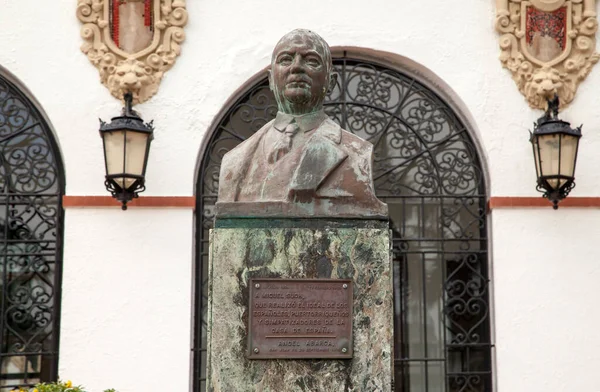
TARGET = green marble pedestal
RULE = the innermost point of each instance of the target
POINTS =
(242, 249)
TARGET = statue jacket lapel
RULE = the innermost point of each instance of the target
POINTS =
(320, 157)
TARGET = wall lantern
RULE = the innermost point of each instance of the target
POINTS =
(126, 145)
(555, 146)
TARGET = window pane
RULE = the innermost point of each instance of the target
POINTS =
(31, 187)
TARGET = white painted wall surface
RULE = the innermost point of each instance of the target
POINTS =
(127, 299)
(127, 275)
(546, 273)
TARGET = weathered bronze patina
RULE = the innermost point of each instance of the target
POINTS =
(300, 318)
(301, 164)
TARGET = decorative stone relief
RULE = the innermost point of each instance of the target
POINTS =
(132, 42)
(548, 45)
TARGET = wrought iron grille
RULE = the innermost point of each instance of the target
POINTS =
(427, 169)
(31, 186)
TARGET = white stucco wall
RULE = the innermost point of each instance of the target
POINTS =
(127, 299)
(126, 311)
(545, 277)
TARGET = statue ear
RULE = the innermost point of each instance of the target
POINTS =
(270, 80)
(332, 81)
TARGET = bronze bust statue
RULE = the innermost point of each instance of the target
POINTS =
(301, 164)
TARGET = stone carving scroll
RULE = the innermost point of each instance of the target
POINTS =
(547, 45)
(132, 42)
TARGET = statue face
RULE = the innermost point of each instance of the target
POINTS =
(299, 76)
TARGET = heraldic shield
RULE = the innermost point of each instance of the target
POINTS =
(546, 40)
(132, 42)
(131, 27)
(548, 45)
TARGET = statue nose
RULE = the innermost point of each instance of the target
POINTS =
(297, 65)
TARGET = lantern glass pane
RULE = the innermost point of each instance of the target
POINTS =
(536, 155)
(568, 155)
(549, 157)
(136, 152)
(113, 148)
(125, 154)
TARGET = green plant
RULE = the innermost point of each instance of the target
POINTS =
(59, 386)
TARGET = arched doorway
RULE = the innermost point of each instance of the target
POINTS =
(31, 228)
(426, 167)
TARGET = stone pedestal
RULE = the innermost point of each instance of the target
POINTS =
(242, 249)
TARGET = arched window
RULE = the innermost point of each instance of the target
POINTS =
(427, 169)
(31, 226)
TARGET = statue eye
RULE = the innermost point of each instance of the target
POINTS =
(313, 62)
(285, 60)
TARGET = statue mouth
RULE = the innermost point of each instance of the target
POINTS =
(298, 84)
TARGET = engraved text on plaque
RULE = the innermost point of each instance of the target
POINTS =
(300, 318)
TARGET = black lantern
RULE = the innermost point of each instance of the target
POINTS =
(126, 145)
(555, 146)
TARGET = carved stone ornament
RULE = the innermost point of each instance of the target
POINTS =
(132, 42)
(548, 46)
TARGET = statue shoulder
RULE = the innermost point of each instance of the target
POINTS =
(348, 141)
(247, 145)
(356, 144)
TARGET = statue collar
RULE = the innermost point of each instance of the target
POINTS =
(306, 122)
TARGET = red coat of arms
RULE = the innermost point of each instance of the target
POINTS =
(548, 45)
(546, 40)
(132, 42)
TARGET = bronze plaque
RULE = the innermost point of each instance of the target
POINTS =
(300, 318)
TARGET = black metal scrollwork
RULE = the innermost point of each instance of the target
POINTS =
(31, 186)
(427, 169)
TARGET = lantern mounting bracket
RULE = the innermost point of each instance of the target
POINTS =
(551, 109)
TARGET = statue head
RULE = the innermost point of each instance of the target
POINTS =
(301, 72)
